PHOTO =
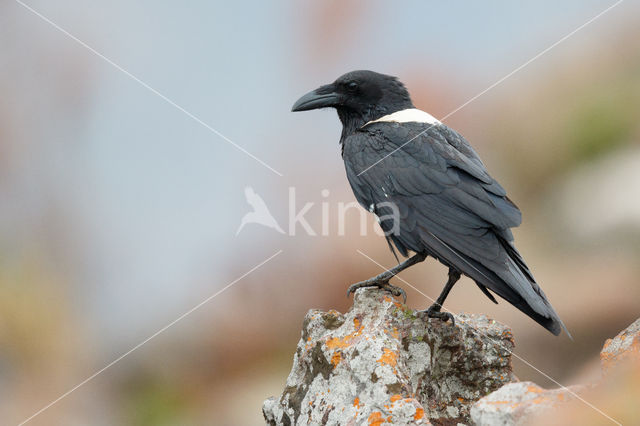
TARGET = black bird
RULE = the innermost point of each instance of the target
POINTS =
(431, 193)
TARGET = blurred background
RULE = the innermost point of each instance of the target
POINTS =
(119, 212)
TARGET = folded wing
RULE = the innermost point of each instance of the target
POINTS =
(449, 207)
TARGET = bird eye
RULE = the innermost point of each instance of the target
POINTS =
(352, 86)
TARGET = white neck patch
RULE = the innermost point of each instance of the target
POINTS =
(408, 115)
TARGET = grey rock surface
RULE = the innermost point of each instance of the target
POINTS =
(382, 363)
(517, 403)
(624, 346)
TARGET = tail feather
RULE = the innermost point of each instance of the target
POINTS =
(522, 267)
(515, 283)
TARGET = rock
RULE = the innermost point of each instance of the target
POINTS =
(611, 399)
(382, 363)
(622, 348)
(516, 403)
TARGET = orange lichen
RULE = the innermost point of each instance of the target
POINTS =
(395, 398)
(336, 342)
(395, 333)
(340, 343)
(543, 399)
(419, 413)
(344, 342)
(376, 419)
(534, 389)
(388, 357)
(336, 358)
(356, 403)
(499, 402)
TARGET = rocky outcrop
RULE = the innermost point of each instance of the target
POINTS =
(383, 363)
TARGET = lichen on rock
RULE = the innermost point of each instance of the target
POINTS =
(382, 363)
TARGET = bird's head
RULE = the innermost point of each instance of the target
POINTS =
(359, 97)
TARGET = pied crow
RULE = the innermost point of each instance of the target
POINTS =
(431, 192)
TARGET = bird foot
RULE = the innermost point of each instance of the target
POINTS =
(434, 312)
(383, 285)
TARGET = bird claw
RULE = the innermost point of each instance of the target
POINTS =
(396, 291)
(434, 312)
(383, 285)
(353, 287)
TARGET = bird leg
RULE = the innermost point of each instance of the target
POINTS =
(434, 310)
(382, 281)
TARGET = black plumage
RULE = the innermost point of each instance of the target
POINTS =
(399, 159)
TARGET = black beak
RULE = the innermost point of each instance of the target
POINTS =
(322, 97)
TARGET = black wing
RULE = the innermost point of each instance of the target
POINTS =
(449, 207)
